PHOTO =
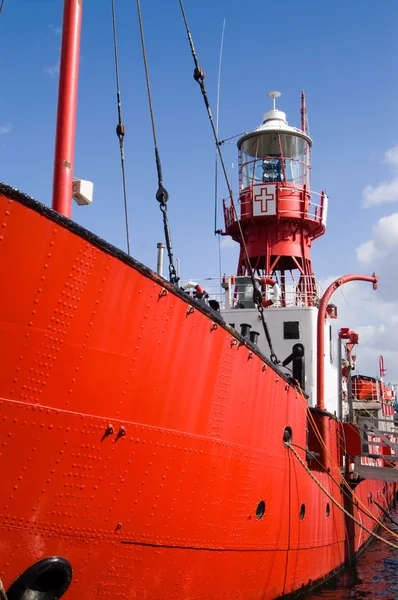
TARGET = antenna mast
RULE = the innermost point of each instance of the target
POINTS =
(274, 96)
(217, 120)
(303, 113)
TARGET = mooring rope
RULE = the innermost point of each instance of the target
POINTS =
(333, 462)
(3, 595)
(335, 502)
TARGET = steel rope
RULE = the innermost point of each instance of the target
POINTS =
(319, 484)
(161, 195)
(199, 76)
(333, 462)
(120, 129)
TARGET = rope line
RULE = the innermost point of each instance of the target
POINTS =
(162, 195)
(3, 595)
(120, 128)
(345, 482)
(319, 484)
(343, 490)
(333, 462)
(385, 512)
(199, 76)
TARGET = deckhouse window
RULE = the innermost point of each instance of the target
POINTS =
(291, 330)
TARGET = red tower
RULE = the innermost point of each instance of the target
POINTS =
(279, 215)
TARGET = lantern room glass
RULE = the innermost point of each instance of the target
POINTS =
(275, 158)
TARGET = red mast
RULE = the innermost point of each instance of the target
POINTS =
(67, 101)
(280, 217)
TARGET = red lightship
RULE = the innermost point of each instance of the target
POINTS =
(115, 482)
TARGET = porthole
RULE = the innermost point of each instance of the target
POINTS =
(260, 510)
(302, 512)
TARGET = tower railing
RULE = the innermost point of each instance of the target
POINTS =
(311, 206)
(237, 292)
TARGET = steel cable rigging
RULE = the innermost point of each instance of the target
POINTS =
(162, 195)
(120, 128)
(199, 76)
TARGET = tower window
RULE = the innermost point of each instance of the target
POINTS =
(291, 330)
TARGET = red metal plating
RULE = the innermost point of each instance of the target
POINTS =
(67, 101)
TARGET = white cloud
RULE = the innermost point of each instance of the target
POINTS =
(53, 71)
(56, 30)
(391, 156)
(384, 242)
(365, 252)
(374, 314)
(375, 319)
(6, 128)
(228, 242)
(386, 191)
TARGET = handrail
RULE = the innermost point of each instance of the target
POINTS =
(230, 293)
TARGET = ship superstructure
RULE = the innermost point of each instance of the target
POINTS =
(279, 218)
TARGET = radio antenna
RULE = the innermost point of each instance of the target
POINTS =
(217, 124)
(217, 231)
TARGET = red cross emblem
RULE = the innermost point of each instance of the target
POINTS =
(265, 196)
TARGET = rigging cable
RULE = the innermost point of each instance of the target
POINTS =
(385, 512)
(1, 5)
(347, 494)
(289, 446)
(199, 76)
(333, 462)
(120, 129)
(161, 195)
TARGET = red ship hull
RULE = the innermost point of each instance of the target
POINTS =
(140, 435)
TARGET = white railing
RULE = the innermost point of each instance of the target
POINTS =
(237, 292)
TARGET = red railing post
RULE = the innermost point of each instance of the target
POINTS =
(67, 101)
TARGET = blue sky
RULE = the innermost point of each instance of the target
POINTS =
(343, 53)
